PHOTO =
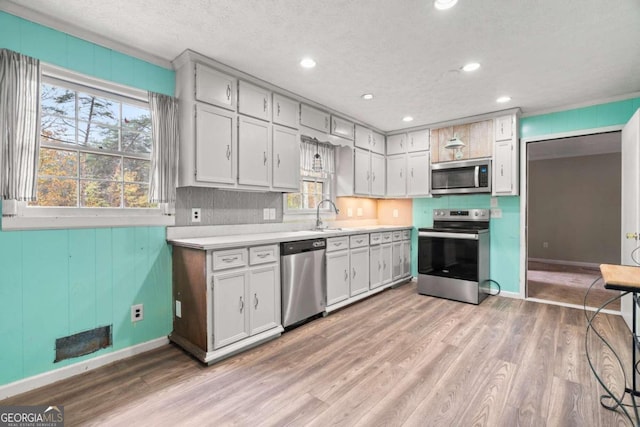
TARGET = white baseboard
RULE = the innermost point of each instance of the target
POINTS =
(578, 306)
(507, 294)
(574, 263)
(46, 378)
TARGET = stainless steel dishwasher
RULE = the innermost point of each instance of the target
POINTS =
(304, 292)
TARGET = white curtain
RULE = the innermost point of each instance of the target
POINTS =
(308, 150)
(19, 125)
(164, 154)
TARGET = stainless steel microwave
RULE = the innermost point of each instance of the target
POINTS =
(461, 177)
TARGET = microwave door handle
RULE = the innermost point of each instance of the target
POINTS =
(476, 177)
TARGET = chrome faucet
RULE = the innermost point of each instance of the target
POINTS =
(318, 220)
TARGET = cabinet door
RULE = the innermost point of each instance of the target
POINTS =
(504, 128)
(387, 260)
(285, 111)
(363, 137)
(375, 267)
(378, 143)
(418, 174)
(254, 101)
(214, 87)
(397, 175)
(342, 128)
(397, 144)
(337, 276)
(286, 159)
(504, 169)
(314, 118)
(406, 258)
(378, 175)
(418, 140)
(362, 172)
(254, 140)
(216, 145)
(396, 249)
(263, 299)
(230, 308)
(359, 271)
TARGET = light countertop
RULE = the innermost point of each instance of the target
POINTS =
(252, 239)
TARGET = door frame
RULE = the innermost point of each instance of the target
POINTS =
(524, 185)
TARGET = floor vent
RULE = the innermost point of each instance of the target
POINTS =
(82, 343)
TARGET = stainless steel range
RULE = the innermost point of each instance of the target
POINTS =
(453, 256)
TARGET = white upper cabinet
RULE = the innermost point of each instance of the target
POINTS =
(397, 144)
(504, 169)
(254, 142)
(362, 172)
(504, 128)
(254, 101)
(286, 159)
(378, 175)
(397, 175)
(341, 127)
(285, 111)
(214, 87)
(377, 143)
(418, 175)
(216, 145)
(314, 118)
(418, 141)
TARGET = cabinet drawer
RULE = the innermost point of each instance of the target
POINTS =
(263, 254)
(386, 237)
(396, 235)
(358, 241)
(231, 258)
(375, 238)
(337, 243)
(406, 234)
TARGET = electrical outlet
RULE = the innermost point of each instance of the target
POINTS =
(494, 202)
(272, 213)
(545, 245)
(178, 309)
(349, 212)
(196, 214)
(395, 213)
(359, 212)
(265, 214)
(496, 213)
(137, 312)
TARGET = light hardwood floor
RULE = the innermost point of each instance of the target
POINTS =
(397, 359)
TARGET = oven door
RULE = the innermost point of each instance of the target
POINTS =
(450, 255)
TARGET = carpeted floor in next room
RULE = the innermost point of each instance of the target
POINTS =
(568, 284)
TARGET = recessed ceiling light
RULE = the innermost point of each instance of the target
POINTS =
(471, 66)
(407, 119)
(308, 63)
(444, 4)
(503, 99)
(367, 96)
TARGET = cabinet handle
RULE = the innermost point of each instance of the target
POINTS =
(334, 124)
(359, 241)
(401, 143)
(346, 275)
(228, 92)
(230, 259)
(241, 304)
(278, 109)
(228, 152)
(384, 265)
(400, 173)
(263, 255)
(501, 170)
(412, 141)
(354, 272)
(338, 243)
(379, 266)
(326, 122)
(264, 153)
(255, 304)
(373, 176)
(368, 175)
(265, 105)
(411, 172)
(278, 159)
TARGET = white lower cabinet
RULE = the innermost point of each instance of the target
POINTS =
(229, 308)
(337, 276)
(263, 299)
(397, 263)
(375, 266)
(359, 270)
(387, 260)
(406, 258)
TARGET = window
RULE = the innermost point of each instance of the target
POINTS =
(314, 186)
(95, 148)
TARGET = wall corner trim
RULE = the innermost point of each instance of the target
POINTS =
(46, 378)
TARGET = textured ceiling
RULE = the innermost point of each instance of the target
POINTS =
(545, 54)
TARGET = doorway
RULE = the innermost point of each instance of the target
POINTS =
(573, 217)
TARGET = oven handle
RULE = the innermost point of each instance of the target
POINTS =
(442, 235)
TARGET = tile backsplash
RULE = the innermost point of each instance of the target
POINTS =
(221, 207)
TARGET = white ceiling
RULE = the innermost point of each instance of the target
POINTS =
(545, 54)
(587, 145)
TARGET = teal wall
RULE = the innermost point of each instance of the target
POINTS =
(54, 283)
(504, 232)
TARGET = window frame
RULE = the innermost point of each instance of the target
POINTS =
(17, 215)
